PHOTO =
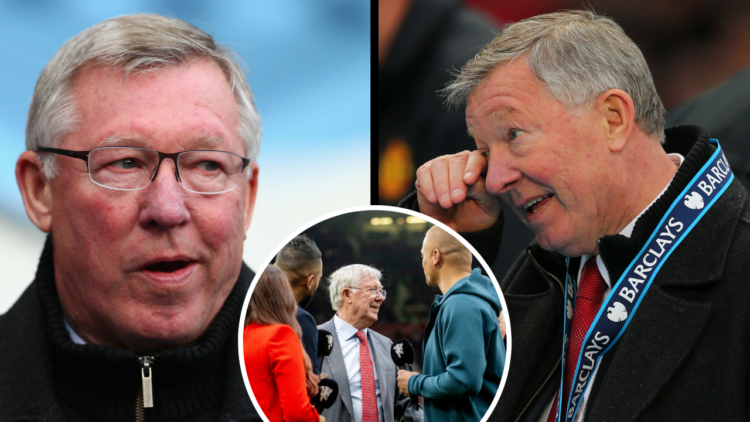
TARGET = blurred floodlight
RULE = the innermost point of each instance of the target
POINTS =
(381, 221)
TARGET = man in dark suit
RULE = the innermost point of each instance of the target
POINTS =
(632, 302)
(301, 261)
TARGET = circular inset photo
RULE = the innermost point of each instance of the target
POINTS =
(375, 314)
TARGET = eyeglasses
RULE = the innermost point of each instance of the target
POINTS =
(373, 291)
(131, 168)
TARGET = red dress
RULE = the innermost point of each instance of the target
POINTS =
(276, 370)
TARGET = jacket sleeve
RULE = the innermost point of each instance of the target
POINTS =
(486, 242)
(309, 338)
(287, 366)
(462, 343)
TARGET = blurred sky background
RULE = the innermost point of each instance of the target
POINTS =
(307, 62)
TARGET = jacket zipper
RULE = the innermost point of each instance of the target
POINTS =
(139, 407)
(145, 396)
(559, 360)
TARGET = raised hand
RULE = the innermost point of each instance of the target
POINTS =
(451, 189)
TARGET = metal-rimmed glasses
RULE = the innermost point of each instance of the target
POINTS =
(373, 291)
(133, 168)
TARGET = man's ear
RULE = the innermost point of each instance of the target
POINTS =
(618, 117)
(251, 191)
(309, 281)
(35, 190)
(345, 294)
(437, 258)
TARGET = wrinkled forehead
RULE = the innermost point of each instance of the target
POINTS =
(510, 78)
(187, 107)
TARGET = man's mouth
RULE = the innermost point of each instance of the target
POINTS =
(168, 267)
(533, 206)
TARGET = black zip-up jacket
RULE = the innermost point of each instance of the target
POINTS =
(686, 353)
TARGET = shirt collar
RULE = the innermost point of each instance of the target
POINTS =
(73, 335)
(344, 329)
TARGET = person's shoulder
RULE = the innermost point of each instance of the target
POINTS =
(271, 332)
(21, 320)
(328, 325)
(380, 338)
(459, 304)
(304, 315)
(459, 300)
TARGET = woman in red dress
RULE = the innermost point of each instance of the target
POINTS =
(279, 370)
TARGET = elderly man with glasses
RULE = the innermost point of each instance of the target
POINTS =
(141, 138)
(360, 361)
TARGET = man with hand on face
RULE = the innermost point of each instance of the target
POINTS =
(141, 138)
(632, 302)
(360, 361)
(463, 344)
(301, 261)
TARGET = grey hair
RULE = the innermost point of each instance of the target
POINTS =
(137, 44)
(577, 55)
(348, 276)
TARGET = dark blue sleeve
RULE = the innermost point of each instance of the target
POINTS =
(309, 337)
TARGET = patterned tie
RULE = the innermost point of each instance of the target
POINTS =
(588, 301)
(369, 398)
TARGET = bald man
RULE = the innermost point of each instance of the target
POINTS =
(463, 344)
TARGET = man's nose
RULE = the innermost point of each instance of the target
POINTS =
(502, 172)
(163, 204)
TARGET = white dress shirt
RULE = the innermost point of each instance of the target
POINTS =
(73, 335)
(627, 231)
(350, 349)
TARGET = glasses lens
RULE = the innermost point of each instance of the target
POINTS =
(382, 292)
(210, 171)
(121, 167)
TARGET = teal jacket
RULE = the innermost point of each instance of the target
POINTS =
(463, 352)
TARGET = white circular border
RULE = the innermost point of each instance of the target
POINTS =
(328, 216)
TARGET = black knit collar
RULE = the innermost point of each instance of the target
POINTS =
(618, 251)
(95, 382)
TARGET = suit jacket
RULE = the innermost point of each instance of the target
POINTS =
(276, 371)
(309, 336)
(333, 365)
